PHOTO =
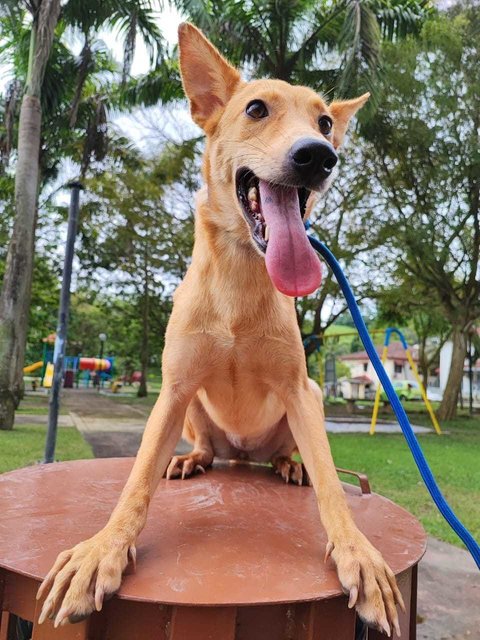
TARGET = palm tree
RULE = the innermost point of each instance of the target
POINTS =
(46, 16)
(329, 45)
(15, 296)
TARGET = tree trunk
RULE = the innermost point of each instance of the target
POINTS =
(15, 296)
(16, 289)
(144, 350)
(448, 407)
(423, 361)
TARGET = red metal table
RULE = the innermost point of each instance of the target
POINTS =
(233, 555)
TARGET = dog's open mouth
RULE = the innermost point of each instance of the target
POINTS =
(275, 215)
(248, 193)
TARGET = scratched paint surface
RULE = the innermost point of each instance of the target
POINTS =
(236, 535)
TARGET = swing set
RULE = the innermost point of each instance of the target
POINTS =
(413, 366)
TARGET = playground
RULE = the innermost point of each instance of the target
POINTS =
(77, 370)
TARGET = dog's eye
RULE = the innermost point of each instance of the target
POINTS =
(325, 125)
(256, 109)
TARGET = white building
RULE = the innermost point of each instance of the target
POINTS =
(445, 362)
(364, 381)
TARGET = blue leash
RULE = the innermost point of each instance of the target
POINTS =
(425, 471)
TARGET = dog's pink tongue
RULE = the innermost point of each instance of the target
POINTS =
(292, 264)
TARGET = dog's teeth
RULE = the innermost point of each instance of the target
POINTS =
(253, 205)
(267, 232)
(252, 194)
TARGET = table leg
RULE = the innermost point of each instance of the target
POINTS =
(203, 623)
(7, 626)
(334, 620)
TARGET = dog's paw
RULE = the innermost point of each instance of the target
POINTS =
(82, 577)
(290, 470)
(188, 464)
(369, 581)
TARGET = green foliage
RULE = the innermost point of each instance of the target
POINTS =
(43, 307)
(326, 45)
(424, 155)
(342, 369)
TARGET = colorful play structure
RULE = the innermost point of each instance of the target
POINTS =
(97, 370)
(413, 366)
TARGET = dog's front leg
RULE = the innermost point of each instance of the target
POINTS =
(82, 576)
(361, 568)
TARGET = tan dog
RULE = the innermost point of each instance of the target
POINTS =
(234, 375)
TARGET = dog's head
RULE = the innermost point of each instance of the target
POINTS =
(270, 147)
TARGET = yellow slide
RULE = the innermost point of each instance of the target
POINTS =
(33, 367)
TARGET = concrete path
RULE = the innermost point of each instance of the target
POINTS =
(449, 582)
(63, 420)
(347, 425)
(448, 594)
(112, 428)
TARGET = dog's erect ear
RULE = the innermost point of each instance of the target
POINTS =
(209, 81)
(341, 112)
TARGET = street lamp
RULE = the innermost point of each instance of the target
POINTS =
(102, 337)
(61, 335)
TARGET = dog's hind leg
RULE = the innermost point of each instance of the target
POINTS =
(195, 430)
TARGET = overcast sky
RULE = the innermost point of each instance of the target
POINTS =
(169, 20)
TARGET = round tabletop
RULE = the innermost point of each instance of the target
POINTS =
(235, 536)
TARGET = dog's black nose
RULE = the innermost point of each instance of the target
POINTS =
(312, 160)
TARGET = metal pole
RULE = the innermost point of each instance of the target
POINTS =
(61, 337)
(470, 376)
(99, 374)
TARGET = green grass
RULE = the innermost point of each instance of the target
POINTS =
(133, 399)
(453, 457)
(36, 405)
(24, 445)
(410, 406)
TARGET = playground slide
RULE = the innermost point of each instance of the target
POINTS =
(33, 367)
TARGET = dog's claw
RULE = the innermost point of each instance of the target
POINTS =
(132, 556)
(61, 616)
(188, 465)
(328, 552)
(352, 600)
(99, 593)
(42, 617)
(288, 469)
(385, 626)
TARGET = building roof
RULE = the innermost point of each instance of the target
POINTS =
(361, 380)
(395, 352)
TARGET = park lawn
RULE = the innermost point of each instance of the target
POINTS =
(453, 457)
(36, 405)
(24, 445)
